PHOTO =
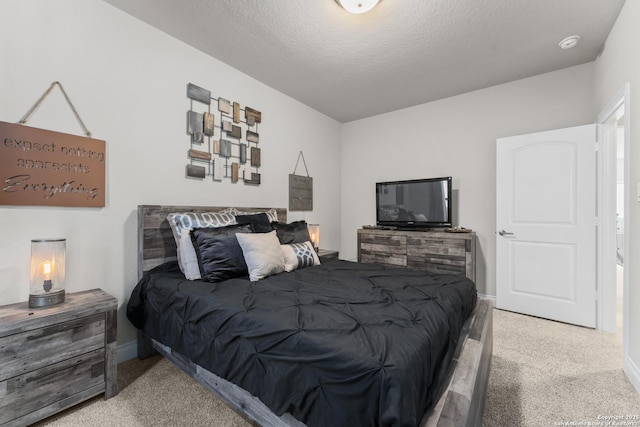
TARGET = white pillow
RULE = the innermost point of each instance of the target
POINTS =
(188, 257)
(299, 255)
(262, 253)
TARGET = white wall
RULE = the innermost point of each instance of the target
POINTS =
(456, 137)
(128, 82)
(620, 64)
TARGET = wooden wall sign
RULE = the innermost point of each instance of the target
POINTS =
(39, 167)
(300, 193)
(300, 188)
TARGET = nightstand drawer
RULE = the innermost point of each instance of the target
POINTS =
(34, 349)
(37, 389)
(327, 255)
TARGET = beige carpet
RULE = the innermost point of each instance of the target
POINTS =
(546, 372)
(543, 373)
(155, 393)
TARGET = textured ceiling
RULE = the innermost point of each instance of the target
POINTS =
(402, 53)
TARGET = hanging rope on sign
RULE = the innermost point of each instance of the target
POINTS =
(303, 162)
(24, 118)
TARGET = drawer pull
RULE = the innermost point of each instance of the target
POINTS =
(44, 334)
(50, 374)
(423, 241)
(69, 327)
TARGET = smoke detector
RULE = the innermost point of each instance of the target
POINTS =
(569, 42)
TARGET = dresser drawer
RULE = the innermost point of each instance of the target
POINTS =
(384, 242)
(437, 255)
(383, 249)
(438, 264)
(379, 258)
(29, 392)
(34, 349)
(420, 246)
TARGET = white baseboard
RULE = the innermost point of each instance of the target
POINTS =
(127, 351)
(489, 297)
(632, 371)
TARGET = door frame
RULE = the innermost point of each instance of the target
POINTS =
(606, 206)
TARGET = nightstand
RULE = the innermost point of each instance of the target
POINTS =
(327, 254)
(55, 357)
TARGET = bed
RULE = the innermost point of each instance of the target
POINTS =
(310, 344)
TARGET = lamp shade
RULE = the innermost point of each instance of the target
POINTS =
(314, 234)
(47, 273)
(357, 6)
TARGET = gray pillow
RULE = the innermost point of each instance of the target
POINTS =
(259, 222)
(219, 254)
(294, 232)
(262, 253)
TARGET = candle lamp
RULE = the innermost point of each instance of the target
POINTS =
(314, 234)
(47, 274)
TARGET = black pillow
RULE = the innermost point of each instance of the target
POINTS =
(219, 253)
(259, 222)
(294, 232)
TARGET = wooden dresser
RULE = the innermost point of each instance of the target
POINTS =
(434, 251)
(55, 357)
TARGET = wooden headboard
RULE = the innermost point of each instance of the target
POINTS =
(156, 244)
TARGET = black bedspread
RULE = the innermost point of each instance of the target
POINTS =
(339, 344)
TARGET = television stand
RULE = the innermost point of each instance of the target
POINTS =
(433, 251)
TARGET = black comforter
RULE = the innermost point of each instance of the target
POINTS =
(339, 344)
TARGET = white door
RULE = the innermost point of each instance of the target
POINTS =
(546, 212)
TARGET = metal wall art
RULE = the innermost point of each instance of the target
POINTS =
(223, 142)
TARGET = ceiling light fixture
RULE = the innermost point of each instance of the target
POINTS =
(569, 42)
(357, 6)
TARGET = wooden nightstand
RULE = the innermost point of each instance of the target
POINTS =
(55, 357)
(327, 254)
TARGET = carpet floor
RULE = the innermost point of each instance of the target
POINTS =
(543, 373)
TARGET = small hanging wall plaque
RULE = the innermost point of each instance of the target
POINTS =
(300, 189)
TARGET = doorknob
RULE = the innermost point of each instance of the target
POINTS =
(505, 233)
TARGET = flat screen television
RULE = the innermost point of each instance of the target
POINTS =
(418, 203)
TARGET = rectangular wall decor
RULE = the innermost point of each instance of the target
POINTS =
(209, 124)
(39, 167)
(198, 93)
(223, 142)
(300, 193)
